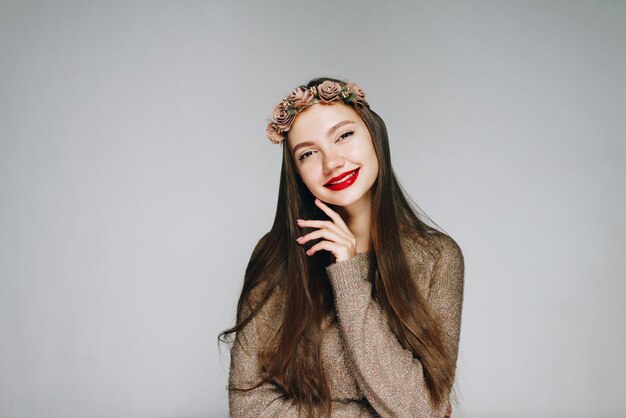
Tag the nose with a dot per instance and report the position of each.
(332, 161)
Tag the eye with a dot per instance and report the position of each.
(305, 155)
(345, 135)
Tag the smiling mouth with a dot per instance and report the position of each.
(344, 180)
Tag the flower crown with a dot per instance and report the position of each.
(302, 97)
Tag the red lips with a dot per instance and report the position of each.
(345, 183)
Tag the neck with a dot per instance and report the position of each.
(357, 217)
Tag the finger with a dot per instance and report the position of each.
(324, 245)
(326, 234)
(322, 224)
(339, 252)
(332, 215)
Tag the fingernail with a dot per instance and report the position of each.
(299, 220)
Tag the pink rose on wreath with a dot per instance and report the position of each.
(356, 89)
(328, 91)
(300, 97)
(282, 118)
(274, 134)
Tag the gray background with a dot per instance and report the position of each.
(135, 179)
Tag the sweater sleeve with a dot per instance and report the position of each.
(389, 376)
(263, 401)
(266, 400)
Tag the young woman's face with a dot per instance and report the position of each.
(333, 153)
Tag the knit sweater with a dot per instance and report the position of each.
(369, 373)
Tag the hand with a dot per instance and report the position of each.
(449, 411)
(338, 238)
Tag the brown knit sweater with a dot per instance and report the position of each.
(369, 372)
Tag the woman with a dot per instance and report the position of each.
(351, 305)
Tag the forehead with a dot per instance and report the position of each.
(314, 122)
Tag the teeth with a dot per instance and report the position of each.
(344, 179)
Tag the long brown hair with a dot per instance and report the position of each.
(292, 359)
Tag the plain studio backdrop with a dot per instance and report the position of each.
(135, 179)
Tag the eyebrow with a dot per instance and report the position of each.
(329, 133)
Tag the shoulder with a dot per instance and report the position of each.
(256, 284)
(434, 258)
(436, 245)
(449, 269)
(265, 292)
(449, 250)
(260, 243)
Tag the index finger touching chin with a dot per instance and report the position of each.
(331, 213)
(327, 210)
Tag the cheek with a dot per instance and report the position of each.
(374, 159)
(371, 154)
(368, 156)
(364, 155)
(309, 176)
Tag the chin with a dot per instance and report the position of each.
(342, 198)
